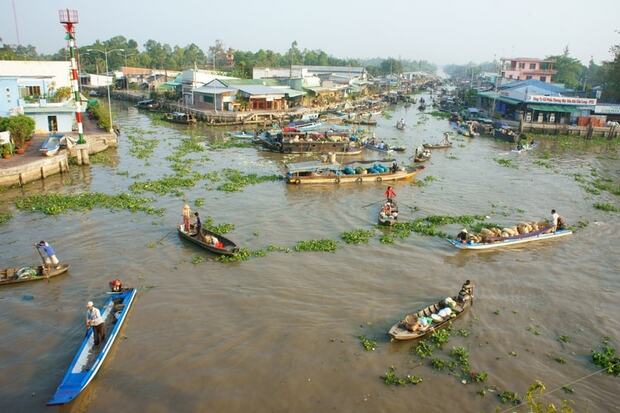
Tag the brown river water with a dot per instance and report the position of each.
(279, 333)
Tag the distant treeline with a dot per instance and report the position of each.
(162, 55)
(571, 72)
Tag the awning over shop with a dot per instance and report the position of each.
(554, 108)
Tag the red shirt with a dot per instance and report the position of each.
(389, 193)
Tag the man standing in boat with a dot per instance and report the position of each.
(186, 216)
(557, 221)
(94, 320)
(390, 194)
(48, 255)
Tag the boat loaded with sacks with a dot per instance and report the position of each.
(90, 357)
(34, 273)
(435, 316)
(490, 238)
(223, 246)
(353, 172)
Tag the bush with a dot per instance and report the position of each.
(100, 112)
(62, 94)
(21, 128)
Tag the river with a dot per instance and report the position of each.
(280, 333)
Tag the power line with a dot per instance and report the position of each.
(16, 25)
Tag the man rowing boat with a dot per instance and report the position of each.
(94, 320)
(557, 221)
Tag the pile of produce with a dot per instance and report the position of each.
(491, 234)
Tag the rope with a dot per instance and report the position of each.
(554, 390)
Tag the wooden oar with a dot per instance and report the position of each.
(376, 202)
(45, 269)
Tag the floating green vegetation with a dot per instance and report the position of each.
(461, 355)
(5, 217)
(369, 345)
(54, 204)
(533, 330)
(168, 184)
(607, 358)
(543, 163)
(568, 389)
(441, 337)
(142, 148)
(564, 339)
(101, 158)
(427, 180)
(325, 245)
(439, 114)
(277, 248)
(429, 225)
(607, 185)
(197, 259)
(480, 377)
(219, 228)
(439, 364)
(391, 379)
(607, 207)
(237, 180)
(198, 202)
(536, 392)
(386, 114)
(359, 236)
(230, 143)
(386, 239)
(508, 163)
(122, 173)
(243, 254)
(462, 332)
(423, 349)
(509, 397)
(559, 359)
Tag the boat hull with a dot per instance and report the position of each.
(6, 280)
(232, 247)
(345, 179)
(510, 242)
(77, 378)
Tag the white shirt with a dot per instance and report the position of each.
(554, 219)
(94, 316)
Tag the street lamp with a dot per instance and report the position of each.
(106, 52)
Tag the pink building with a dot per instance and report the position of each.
(525, 68)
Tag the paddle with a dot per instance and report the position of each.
(373, 203)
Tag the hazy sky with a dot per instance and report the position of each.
(441, 31)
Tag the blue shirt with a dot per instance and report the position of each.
(49, 250)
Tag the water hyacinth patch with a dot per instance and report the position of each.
(142, 148)
(168, 184)
(359, 236)
(508, 163)
(324, 245)
(391, 379)
(369, 345)
(5, 217)
(237, 180)
(607, 207)
(54, 204)
(607, 358)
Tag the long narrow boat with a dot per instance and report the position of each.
(89, 357)
(463, 301)
(508, 241)
(391, 219)
(51, 145)
(437, 145)
(34, 273)
(321, 173)
(229, 246)
(376, 148)
(369, 122)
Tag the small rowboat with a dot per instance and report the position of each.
(229, 247)
(437, 145)
(51, 145)
(398, 148)
(368, 122)
(89, 357)
(391, 219)
(385, 149)
(34, 273)
(241, 135)
(464, 300)
(421, 159)
(508, 241)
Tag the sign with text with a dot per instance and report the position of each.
(608, 109)
(562, 100)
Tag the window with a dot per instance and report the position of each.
(521, 65)
(207, 98)
(533, 66)
(543, 78)
(528, 77)
(26, 91)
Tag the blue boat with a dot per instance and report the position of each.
(51, 145)
(89, 358)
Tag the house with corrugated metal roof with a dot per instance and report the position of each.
(536, 101)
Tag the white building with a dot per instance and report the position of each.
(29, 87)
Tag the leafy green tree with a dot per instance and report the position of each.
(21, 128)
(391, 65)
(570, 71)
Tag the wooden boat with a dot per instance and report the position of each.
(229, 247)
(356, 121)
(389, 220)
(320, 173)
(34, 273)
(51, 145)
(421, 158)
(241, 135)
(89, 357)
(539, 235)
(376, 148)
(309, 143)
(148, 104)
(398, 148)
(437, 145)
(506, 134)
(399, 331)
(179, 117)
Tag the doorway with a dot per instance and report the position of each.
(52, 124)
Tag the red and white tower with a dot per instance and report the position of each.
(69, 18)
